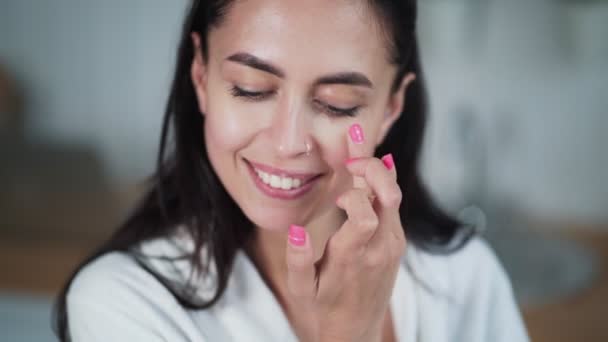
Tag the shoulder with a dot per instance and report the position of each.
(109, 276)
(474, 265)
(135, 276)
(475, 290)
(118, 284)
(114, 298)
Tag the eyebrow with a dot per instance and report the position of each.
(256, 63)
(348, 77)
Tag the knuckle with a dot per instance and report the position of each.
(376, 166)
(368, 224)
(344, 259)
(341, 253)
(393, 198)
(376, 259)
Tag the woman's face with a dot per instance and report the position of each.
(281, 75)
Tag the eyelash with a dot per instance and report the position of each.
(249, 95)
(259, 96)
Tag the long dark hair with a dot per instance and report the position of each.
(186, 192)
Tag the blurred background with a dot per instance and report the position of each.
(516, 142)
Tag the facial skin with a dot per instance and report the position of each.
(304, 42)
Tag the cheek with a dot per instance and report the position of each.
(224, 132)
(226, 129)
(334, 138)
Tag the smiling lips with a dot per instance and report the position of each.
(279, 183)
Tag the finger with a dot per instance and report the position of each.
(361, 223)
(301, 272)
(357, 165)
(382, 182)
(356, 150)
(389, 163)
(379, 178)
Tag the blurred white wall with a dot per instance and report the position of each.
(95, 73)
(535, 76)
(533, 73)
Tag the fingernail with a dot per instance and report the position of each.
(356, 134)
(351, 160)
(297, 235)
(388, 161)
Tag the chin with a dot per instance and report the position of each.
(273, 219)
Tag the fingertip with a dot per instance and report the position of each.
(388, 161)
(297, 236)
(356, 133)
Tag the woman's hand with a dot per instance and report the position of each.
(347, 293)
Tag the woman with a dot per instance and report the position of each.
(269, 218)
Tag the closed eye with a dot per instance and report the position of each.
(262, 95)
(250, 95)
(336, 111)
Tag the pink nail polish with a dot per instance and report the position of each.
(388, 161)
(297, 235)
(351, 160)
(356, 134)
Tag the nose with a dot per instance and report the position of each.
(291, 133)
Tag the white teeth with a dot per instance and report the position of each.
(285, 183)
(275, 181)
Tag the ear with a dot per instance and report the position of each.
(394, 107)
(198, 73)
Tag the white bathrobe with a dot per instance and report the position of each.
(465, 296)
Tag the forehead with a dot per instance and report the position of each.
(318, 35)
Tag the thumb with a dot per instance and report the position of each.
(301, 271)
